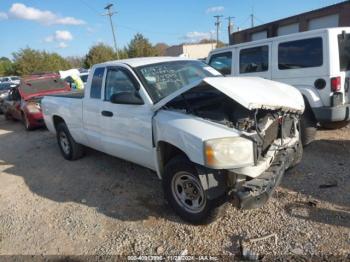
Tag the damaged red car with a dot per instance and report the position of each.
(24, 101)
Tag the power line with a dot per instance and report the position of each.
(90, 7)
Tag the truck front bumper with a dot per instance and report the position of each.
(256, 192)
(332, 114)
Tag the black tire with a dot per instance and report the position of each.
(211, 209)
(70, 149)
(335, 125)
(308, 126)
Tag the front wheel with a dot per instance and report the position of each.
(70, 149)
(184, 192)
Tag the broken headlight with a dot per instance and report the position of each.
(226, 153)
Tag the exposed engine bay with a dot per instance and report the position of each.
(265, 126)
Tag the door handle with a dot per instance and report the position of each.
(107, 113)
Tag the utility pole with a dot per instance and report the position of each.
(110, 14)
(217, 24)
(230, 27)
(252, 18)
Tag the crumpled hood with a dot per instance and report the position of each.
(250, 92)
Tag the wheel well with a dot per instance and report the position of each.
(57, 120)
(308, 109)
(166, 152)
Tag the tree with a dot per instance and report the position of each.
(140, 46)
(160, 49)
(6, 66)
(208, 41)
(123, 53)
(98, 54)
(75, 61)
(28, 61)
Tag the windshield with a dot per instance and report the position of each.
(344, 51)
(163, 79)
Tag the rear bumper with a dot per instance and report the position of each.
(332, 114)
(36, 120)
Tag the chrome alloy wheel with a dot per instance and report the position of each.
(64, 142)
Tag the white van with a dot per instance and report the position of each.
(316, 62)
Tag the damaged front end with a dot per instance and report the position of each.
(274, 133)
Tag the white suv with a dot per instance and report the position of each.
(316, 62)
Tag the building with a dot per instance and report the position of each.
(330, 16)
(195, 51)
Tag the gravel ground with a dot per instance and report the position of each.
(101, 205)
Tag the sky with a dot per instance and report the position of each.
(71, 27)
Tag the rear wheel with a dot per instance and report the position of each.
(308, 126)
(184, 192)
(70, 149)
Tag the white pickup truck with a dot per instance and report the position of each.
(211, 139)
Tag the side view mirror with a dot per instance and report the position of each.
(127, 98)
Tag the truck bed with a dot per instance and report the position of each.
(75, 94)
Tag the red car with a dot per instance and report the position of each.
(24, 101)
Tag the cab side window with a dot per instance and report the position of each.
(253, 60)
(118, 81)
(96, 83)
(222, 62)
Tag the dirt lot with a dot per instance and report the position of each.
(102, 205)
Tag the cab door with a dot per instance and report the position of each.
(92, 107)
(126, 125)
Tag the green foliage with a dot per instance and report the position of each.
(98, 54)
(6, 67)
(75, 61)
(207, 41)
(28, 61)
(140, 46)
(123, 53)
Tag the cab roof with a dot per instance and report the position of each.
(141, 61)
